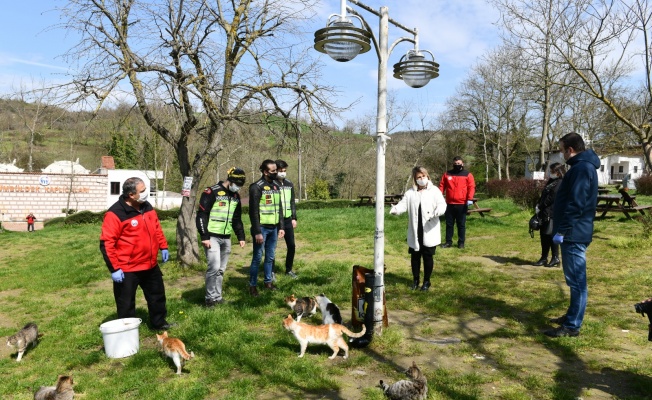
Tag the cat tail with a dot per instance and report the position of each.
(383, 386)
(185, 354)
(352, 334)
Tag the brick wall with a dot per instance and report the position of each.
(46, 195)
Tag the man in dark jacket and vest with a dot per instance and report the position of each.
(573, 214)
(458, 186)
(130, 241)
(220, 214)
(266, 215)
(289, 214)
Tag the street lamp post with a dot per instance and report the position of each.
(342, 41)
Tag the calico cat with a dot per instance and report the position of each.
(329, 311)
(26, 336)
(330, 334)
(414, 389)
(304, 306)
(175, 349)
(63, 390)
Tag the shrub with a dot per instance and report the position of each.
(644, 185)
(524, 192)
(318, 190)
(170, 214)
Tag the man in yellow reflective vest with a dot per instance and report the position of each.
(219, 215)
(289, 213)
(266, 215)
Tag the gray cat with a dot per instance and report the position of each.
(26, 336)
(63, 390)
(414, 389)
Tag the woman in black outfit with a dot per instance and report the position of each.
(544, 211)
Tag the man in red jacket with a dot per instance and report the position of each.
(458, 186)
(130, 240)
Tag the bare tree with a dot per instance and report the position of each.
(33, 105)
(209, 64)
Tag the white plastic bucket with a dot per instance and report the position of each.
(121, 337)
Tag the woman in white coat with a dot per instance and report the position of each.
(424, 204)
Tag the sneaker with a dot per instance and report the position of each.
(273, 277)
(213, 303)
(291, 274)
(446, 245)
(562, 331)
(558, 320)
(460, 246)
(166, 326)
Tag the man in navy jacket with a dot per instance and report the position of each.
(573, 213)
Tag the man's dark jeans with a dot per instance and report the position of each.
(456, 214)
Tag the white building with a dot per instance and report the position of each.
(613, 168)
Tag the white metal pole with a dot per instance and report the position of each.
(381, 141)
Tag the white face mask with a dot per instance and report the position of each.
(234, 188)
(281, 175)
(422, 181)
(143, 196)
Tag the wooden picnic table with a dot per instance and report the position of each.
(390, 200)
(619, 203)
(602, 191)
(366, 201)
(476, 208)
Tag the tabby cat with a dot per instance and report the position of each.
(63, 390)
(330, 334)
(414, 389)
(329, 311)
(304, 306)
(175, 349)
(26, 336)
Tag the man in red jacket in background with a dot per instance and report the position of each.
(130, 240)
(458, 186)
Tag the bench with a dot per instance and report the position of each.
(478, 210)
(605, 209)
(366, 201)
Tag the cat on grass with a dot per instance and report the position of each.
(23, 338)
(329, 311)
(414, 389)
(62, 391)
(175, 349)
(305, 306)
(330, 334)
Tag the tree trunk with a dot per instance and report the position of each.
(187, 242)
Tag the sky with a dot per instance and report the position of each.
(456, 32)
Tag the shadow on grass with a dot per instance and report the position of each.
(509, 260)
(572, 374)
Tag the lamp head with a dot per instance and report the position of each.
(415, 70)
(342, 40)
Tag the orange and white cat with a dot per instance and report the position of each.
(330, 334)
(175, 349)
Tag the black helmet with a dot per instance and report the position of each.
(535, 224)
(237, 176)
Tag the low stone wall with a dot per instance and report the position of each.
(21, 226)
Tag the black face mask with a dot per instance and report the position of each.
(457, 168)
(272, 176)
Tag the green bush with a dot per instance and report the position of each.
(170, 214)
(644, 185)
(318, 190)
(524, 192)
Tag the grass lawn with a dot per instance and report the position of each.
(477, 334)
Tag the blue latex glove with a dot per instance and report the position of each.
(166, 255)
(557, 239)
(469, 202)
(117, 276)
